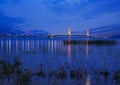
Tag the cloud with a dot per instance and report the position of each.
(65, 7)
(82, 7)
(5, 1)
(71, 2)
(9, 23)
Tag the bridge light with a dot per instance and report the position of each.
(69, 31)
(88, 32)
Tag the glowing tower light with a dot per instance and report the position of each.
(69, 31)
(87, 32)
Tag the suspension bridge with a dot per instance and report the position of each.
(69, 34)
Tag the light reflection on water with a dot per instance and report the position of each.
(49, 55)
(88, 80)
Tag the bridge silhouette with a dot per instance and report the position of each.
(69, 34)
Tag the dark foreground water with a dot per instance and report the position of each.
(59, 61)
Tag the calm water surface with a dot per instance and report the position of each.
(55, 62)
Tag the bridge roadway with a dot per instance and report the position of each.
(74, 35)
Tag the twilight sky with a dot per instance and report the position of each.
(56, 16)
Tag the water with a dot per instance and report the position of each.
(78, 61)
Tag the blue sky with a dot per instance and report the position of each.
(56, 16)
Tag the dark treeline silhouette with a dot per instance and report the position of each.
(90, 42)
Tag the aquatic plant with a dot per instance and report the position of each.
(26, 75)
(116, 76)
(79, 73)
(41, 72)
(72, 74)
(105, 73)
(61, 73)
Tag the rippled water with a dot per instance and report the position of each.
(59, 61)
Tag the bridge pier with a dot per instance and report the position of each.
(50, 36)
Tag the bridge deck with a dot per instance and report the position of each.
(57, 35)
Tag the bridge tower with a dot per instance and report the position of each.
(87, 32)
(69, 31)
